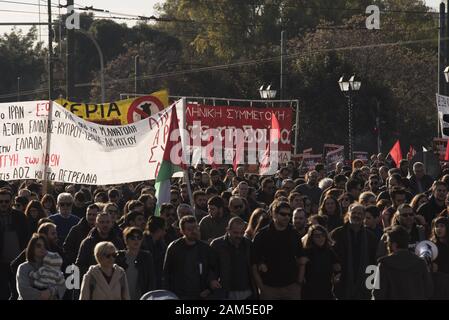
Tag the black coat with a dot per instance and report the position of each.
(426, 183)
(403, 276)
(352, 282)
(145, 268)
(442, 260)
(86, 256)
(318, 274)
(222, 250)
(175, 266)
(73, 241)
(430, 210)
(20, 225)
(158, 250)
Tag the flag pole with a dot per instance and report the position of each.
(184, 147)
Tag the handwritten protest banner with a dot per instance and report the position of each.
(80, 152)
(311, 160)
(200, 118)
(337, 154)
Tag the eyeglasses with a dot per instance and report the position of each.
(111, 255)
(135, 237)
(65, 204)
(284, 213)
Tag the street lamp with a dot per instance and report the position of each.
(446, 74)
(349, 88)
(267, 93)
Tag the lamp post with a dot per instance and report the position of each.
(349, 88)
(268, 93)
(18, 88)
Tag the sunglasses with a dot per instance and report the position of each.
(284, 214)
(65, 204)
(136, 237)
(111, 255)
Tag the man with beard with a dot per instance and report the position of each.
(234, 267)
(356, 247)
(276, 250)
(168, 213)
(214, 224)
(300, 221)
(102, 232)
(310, 188)
(188, 264)
(200, 207)
(436, 203)
(266, 193)
(216, 181)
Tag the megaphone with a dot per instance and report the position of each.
(427, 250)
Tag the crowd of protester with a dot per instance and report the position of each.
(232, 235)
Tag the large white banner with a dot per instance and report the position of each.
(79, 152)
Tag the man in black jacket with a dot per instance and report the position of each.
(402, 275)
(275, 254)
(14, 237)
(420, 182)
(436, 203)
(188, 264)
(234, 262)
(79, 232)
(356, 247)
(102, 232)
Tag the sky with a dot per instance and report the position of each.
(133, 7)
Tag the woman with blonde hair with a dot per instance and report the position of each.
(105, 280)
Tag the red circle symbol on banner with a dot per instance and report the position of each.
(144, 107)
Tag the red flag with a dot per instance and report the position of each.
(446, 157)
(211, 153)
(239, 151)
(411, 153)
(275, 136)
(396, 153)
(275, 126)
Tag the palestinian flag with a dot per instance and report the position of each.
(171, 163)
